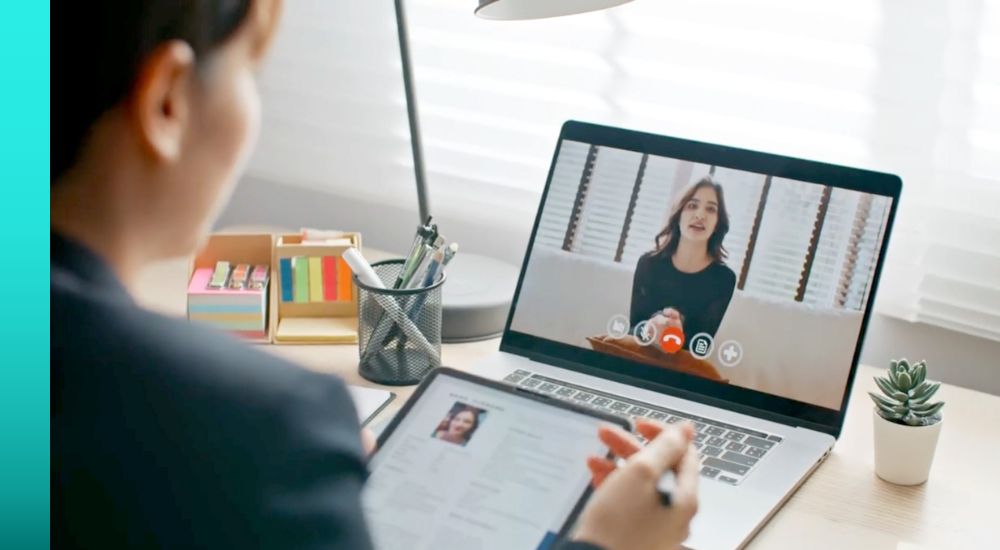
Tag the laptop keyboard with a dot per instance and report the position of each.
(728, 453)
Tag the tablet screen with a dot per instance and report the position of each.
(476, 467)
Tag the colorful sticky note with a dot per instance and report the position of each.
(344, 282)
(287, 284)
(300, 264)
(315, 279)
(330, 278)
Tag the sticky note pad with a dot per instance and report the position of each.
(315, 279)
(330, 278)
(343, 280)
(300, 264)
(285, 265)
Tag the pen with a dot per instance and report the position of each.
(426, 234)
(449, 253)
(423, 257)
(441, 259)
(432, 269)
(367, 275)
(666, 486)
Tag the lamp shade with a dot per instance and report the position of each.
(539, 9)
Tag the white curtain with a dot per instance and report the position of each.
(904, 86)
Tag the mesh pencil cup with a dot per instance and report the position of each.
(399, 331)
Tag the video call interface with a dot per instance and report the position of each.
(469, 462)
(743, 278)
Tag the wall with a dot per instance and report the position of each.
(954, 357)
(387, 227)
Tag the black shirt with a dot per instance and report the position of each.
(169, 435)
(701, 298)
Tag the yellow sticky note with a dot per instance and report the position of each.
(315, 279)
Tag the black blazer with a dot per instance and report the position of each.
(167, 435)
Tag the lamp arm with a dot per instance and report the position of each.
(423, 204)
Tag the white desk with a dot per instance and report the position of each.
(843, 505)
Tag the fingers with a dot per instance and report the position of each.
(367, 441)
(687, 429)
(662, 453)
(619, 441)
(685, 496)
(688, 467)
(651, 428)
(599, 468)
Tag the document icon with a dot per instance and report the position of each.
(701, 345)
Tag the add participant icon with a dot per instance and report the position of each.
(730, 353)
(701, 345)
(672, 339)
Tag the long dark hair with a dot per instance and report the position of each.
(98, 46)
(455, 411)
(666, 240)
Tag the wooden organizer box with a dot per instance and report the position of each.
(319, 322)
(240, 248)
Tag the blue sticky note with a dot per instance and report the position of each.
(286, 280)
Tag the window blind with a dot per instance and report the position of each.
(904, 86)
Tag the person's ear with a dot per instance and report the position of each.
(160, 106)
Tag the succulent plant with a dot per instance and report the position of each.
(907, 395)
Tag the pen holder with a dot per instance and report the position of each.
(399, 331)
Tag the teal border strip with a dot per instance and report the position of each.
(24, 389)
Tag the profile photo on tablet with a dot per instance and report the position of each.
(459, 424)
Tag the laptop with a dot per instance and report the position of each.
(685, 281)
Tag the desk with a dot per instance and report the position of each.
(843, 505)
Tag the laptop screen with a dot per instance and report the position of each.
(743, 278)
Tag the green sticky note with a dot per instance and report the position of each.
(300, 264)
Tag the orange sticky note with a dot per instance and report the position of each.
(344, 282)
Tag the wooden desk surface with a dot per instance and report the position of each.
(843, 505)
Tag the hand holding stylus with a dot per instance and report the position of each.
(626, 511)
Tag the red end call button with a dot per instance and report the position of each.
(672, 339)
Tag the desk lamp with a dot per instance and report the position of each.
(479, 290)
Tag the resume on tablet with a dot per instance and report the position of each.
(475, 464)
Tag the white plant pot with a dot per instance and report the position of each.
(903, 454)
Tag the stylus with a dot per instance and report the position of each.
(367, 275)
(666, 486)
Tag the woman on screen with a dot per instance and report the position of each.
(459, 426)
(684, 282)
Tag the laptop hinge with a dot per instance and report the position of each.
(672, 391)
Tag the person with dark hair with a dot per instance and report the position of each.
(459, 426)
(684, 281)
(168, 435)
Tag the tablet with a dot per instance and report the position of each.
(477, 464)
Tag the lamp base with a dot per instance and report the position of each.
(476, 298)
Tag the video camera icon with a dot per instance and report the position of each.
(618, 326)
